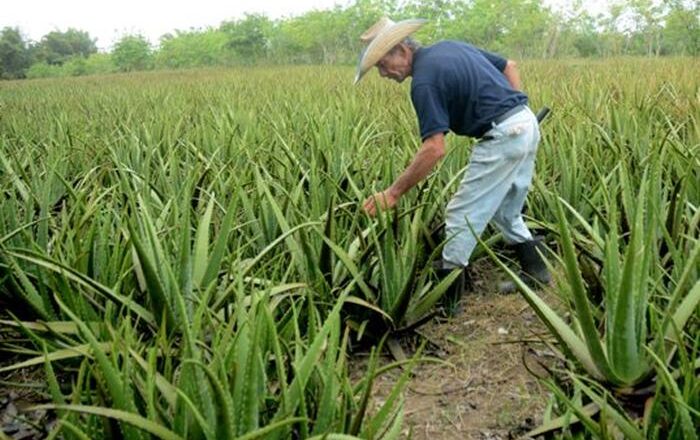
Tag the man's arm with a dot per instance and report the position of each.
(512, 74)
(429, 154)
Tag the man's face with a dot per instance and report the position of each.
(396, 65)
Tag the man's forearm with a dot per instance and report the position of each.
(423, 162)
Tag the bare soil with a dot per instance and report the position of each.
(482, 390)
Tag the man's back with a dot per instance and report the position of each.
(459, 87)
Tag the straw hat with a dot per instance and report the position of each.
(381, 38)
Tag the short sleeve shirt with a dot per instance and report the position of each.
(460, 88)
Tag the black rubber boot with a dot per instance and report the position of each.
(453, 295)
(534, 271)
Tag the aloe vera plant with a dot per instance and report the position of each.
(189, 250)
(634, 336)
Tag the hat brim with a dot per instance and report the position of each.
(384, 42)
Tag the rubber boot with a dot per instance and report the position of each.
(451, 298)
(534, 271)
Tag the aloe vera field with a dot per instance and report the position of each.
(184, 254)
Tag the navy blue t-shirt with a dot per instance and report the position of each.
(459, 87)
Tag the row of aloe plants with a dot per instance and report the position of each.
(625, 224)
(188, 284)
(181, 232)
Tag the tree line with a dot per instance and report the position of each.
(517, 28)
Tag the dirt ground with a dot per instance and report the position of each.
(482, 390)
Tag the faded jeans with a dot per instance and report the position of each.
(494, 187)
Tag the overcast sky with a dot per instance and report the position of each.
(107, 20)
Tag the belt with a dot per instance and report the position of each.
(502, 117)
(517, 109)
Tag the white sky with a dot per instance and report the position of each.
(108, 20)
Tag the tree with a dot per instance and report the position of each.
(648, 16)
(527, 28)
(14, 54)
(194, 48)
(57, 47)
(248, 37)
(681, 34)
(132, 52)
(99, 63)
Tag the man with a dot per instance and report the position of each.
(457, 87)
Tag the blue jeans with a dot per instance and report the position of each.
(494, 187)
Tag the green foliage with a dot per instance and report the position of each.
(193, 49)
(99, 63)
(188, 249)
(173, 269)
(248, 37)
(681, 31)
(15, 56)
(132, 52)
(520, 29)
(43, 70)
(57, 47)
(95, 64)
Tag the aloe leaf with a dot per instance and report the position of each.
(395, 424)
(298, 257)
(84, 281)
(393, 403)
(28, 291)
(425, 303)
(582, 304)
(54, 387)
(331, 371)
(249, 380)
(621, 420)
(218, 252)
(266, 431)
(597, 239)
(62, 423)
(685, 309)
(361, 302)
(118, 391)
(156, 288)
(688, 428)
(19, 185)
(625, 352)
(561, 422)
(680, 295)
(284, 236)
(168, 391)
(325, 257)
(117, 414)
(223, 400)
(335, 437)
(83, 350)
(306, 364)
(361, 411)
(206, 427)
(579, 415)
(201, 245)
(577, 349)
(352, 268)
(62, 327)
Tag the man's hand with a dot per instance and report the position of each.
(430, 153)
(383, 200)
